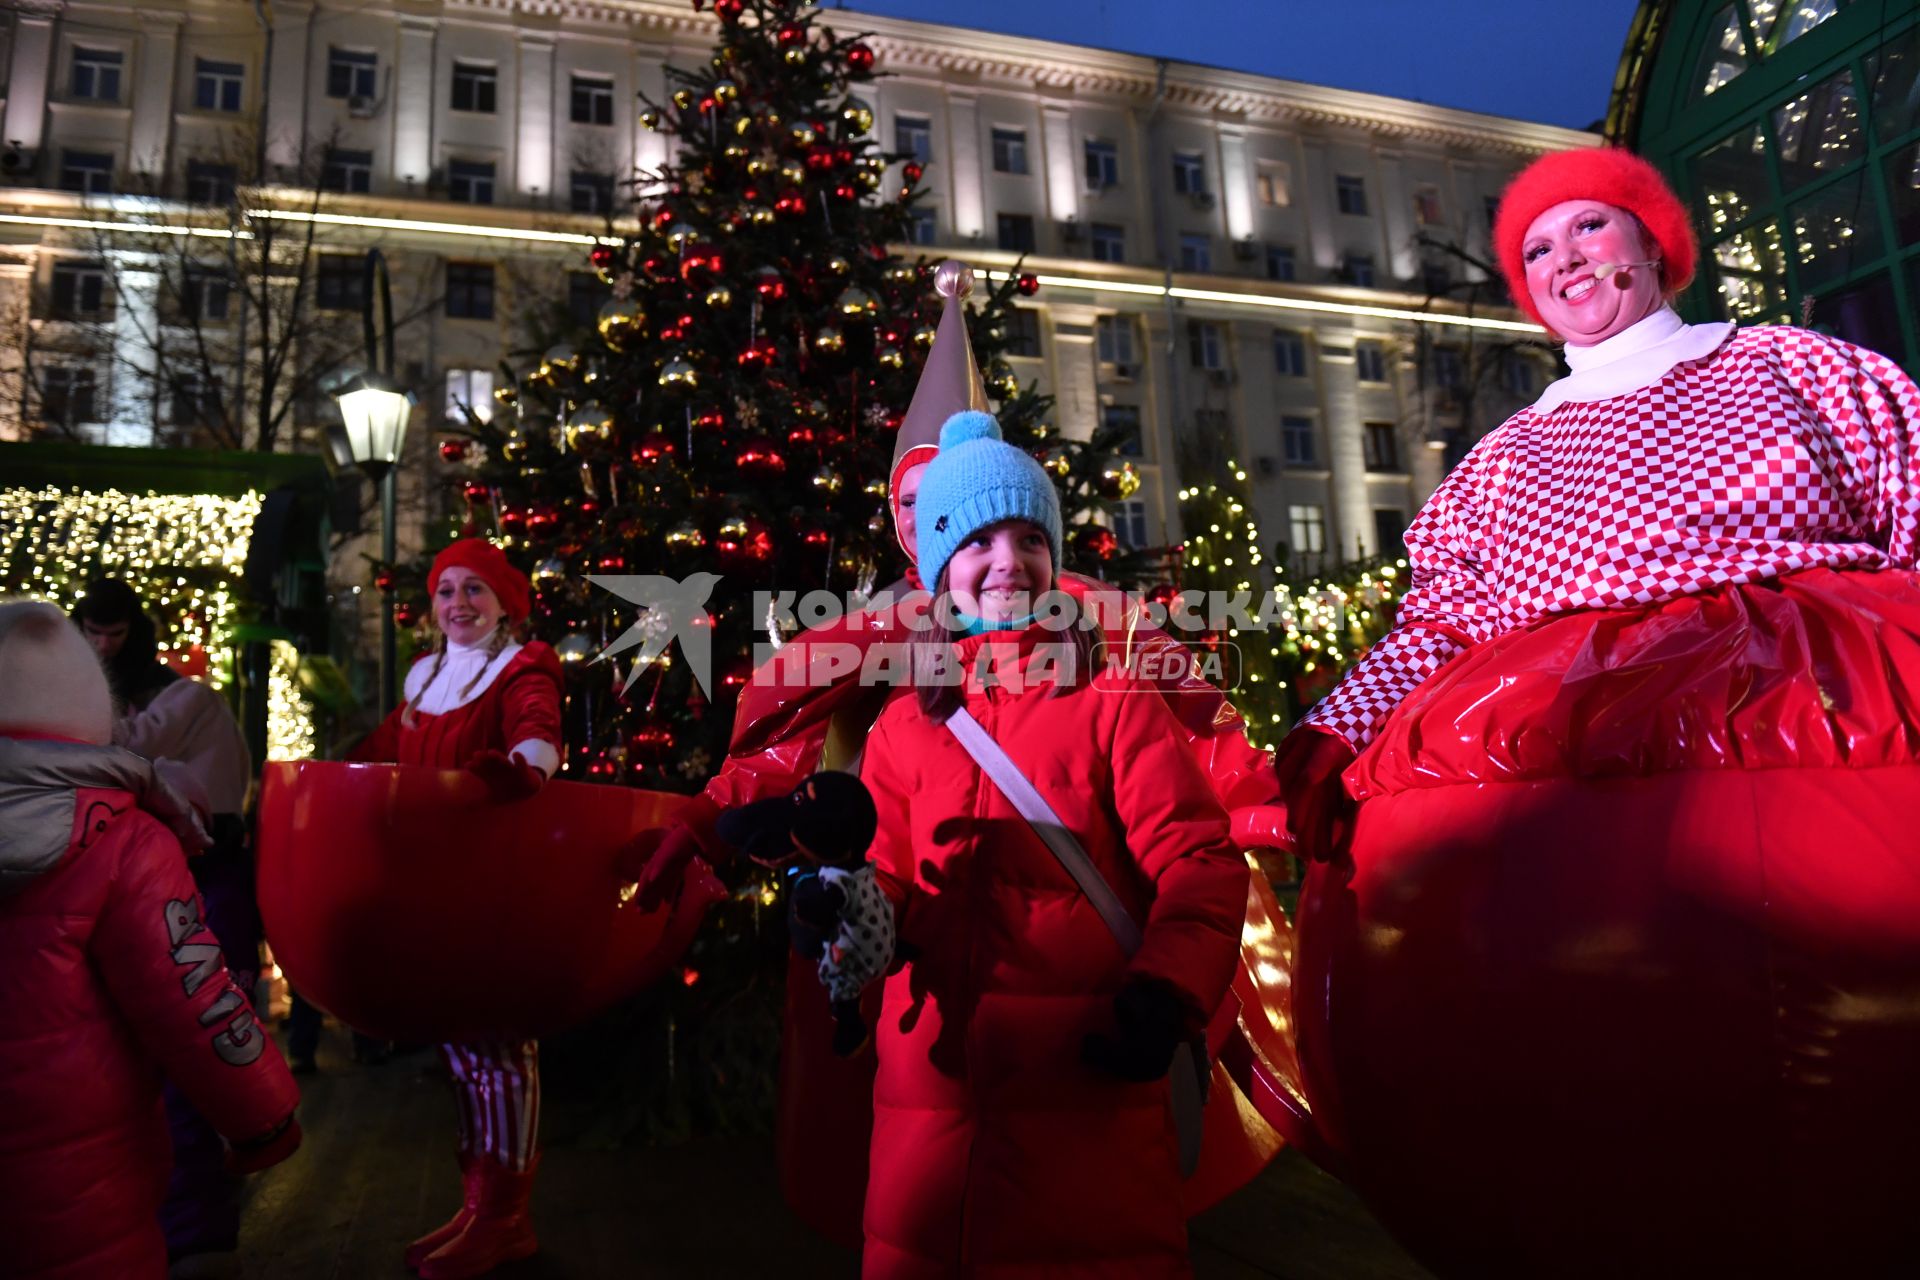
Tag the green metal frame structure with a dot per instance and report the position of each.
(1792, 129)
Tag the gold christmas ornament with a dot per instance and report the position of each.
(890, 356)
(683, 99)
(838, 265)
(742, 126)
(827, 480)
(878, 524)
(760, 215)
(830, 340)
(734, 151)
(574, 648)
(734, 529)
(759, 166)
(771, 118)
(514, 447)
(561, 358)
(679, 233)
(725, 91)
(902, 273)
(856, 303)
(506, 395)
(650, 119)
(686, 536)
(923, 337)
(875, 488)
(679, 375)
(589, 428)
(719, 296)
(858, 116)
(1119, 480)
(620, 322)
(549, 572)
(1058, 462)
(797, 56)
(866, 179)
(793, 173)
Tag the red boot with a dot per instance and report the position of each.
(501, 1230)
(418, 1251)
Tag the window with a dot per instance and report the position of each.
(1351, 192)
(1359, 270)
(1196, 251)
(1113, 339)
(586, 294)
(350, 73)
(1274, 182)
(1281, 264)
(195, 400)
(1009, 150)
(209, 183)
(1296, 442)
(1307, 522)
(347, 171)
(1206, 346)
(591, 192)
(1122, 423)
(216, 85)
(913, 137)
(469, 389)
(79, 290)
(470, 290)
(1449, 369)
(592, 100)
(96, 74)
(1370, 360)
(1023, 333)
(474, 85)
(1426, 205)
(1130, 523)
(920, 225)
(1189, 173)
(1103, 165)
(205, 294)
(1289, 353)
(1109, 242)
(88, 172)
(1389, 531)
(340, 282)
(1380, 442)
(66, 394)
(1517, 373)
(1016, 232)
(470, 181)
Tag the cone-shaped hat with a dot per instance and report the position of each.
(949, 382)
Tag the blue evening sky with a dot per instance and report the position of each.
(1544, 60)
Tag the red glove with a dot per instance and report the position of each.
(507, 777)
(1319, 810)
(657, 859)
(1261, 826)
(264, 1153)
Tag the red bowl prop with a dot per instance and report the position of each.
(1658, 1025)
(410, 906)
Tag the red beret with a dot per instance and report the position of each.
(488, 563)
(1606, 174)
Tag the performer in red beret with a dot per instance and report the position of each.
(1626, 890)
(485, 702)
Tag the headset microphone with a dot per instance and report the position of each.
(1606, 269)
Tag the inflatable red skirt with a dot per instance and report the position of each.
(1622, 976)
(408, 905)
(825, 1115)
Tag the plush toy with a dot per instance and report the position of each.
(836, 912)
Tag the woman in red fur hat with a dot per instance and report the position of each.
(487, 703)
(1631, 894)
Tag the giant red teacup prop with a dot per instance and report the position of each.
(410, 906)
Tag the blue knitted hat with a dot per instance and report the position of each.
(977, 480)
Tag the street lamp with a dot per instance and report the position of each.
(375, 412)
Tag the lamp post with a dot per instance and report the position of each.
(375, 411)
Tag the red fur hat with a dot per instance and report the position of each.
(489, 563)
(1607, 174)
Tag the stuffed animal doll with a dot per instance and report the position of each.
(836, 913)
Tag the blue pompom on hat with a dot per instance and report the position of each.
(978, 480)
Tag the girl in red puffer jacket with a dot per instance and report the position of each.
(485, 703)
(108, 980)
(1021, 1111)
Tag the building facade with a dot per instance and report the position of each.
(1296, 273)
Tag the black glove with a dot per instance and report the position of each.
(1152, 1023)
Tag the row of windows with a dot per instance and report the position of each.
(1307, 533)
(81, 289)
(94, 75)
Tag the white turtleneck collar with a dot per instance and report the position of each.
(464, 665)
(1636, 357)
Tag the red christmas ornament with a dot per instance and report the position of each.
(1163, 595)
(453, 450)
(791, 202)
(709, 104)
(729, 10)
(663, 218)
(792, 34)
(845, 193)
(768, 284)
(860, 57)
(611, 562)
(913, 172)
(801, 435)
(652, 447)
(820, 158)
(758, 457)
(843, 155)
(603, 256)
(512, 520)
(711, 420)
(1028, 284)
(541, 518)
(758, 355)
(1096, 540)
(815, 536)
(603, 770)
(406, 613)
(477, 493)
(651, 743)
(384, 580)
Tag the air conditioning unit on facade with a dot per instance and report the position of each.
(1071, 231)
(1123, 373)
(1246, 250)
(1202, 200)
(16, 159)
(1221, 377)
(1265, 464)
(361, 107)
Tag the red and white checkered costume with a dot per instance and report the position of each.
(1782, 450)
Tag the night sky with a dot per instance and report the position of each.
(1546, 60)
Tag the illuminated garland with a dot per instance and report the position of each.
(183, 554)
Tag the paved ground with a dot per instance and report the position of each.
(377, 1169)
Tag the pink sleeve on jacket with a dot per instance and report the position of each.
(1449, 606)
(1178, 836)
(1871, 408)
(167, 977)
(530, 698)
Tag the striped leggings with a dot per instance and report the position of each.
(496, 1089)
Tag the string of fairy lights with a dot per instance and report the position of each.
(181, 553)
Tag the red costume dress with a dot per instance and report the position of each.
(456, 708)
(996, 1149)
